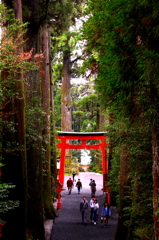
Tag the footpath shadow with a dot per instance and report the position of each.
(69, 223)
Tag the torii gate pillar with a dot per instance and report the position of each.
(82, 136)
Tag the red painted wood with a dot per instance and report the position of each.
(63, 145)
(72, 146)
(62, 161)
(1, 225)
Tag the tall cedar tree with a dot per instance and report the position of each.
(70, 11)
(14, 142)
(124, 40)
(38, 97)
(38, 108)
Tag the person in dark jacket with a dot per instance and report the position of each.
(79, 186)
(90, 182)
(84, 209)
(106, 213)
(93, 187)
(73, 176)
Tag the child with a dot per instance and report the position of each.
(106, 213)
(95, 211)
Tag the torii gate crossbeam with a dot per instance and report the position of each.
(83, 137)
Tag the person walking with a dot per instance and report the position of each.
(91, 203)
(79, 186)
(93, 187)
(84, 209)
(106, 213)
(90, 183)
(73, 175)
(95, 211)
(69, 185)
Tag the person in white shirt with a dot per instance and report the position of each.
(91, 203)
(95, 211)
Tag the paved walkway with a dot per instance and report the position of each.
(69, 223)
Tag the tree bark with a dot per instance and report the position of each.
(66, 95)
(15, 170)
(66, 116)
(45, 86)
(53, 134)
(34, 122)
(21, 130)
(155, 174)
(122, 231)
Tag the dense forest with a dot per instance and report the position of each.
(113, 45)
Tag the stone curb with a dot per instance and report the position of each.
(48, 225)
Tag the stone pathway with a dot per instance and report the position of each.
(69, 223)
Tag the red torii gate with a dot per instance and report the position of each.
(83, 136)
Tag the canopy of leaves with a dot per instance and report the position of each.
(125, 40)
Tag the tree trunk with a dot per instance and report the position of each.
(155, 173)
(66, 95)
(66, 116)
(34, 123)
(21, 130)
(53, 142)
(122, 231)
(45, 86)
(15, 170)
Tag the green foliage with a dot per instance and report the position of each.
(93, 166)
(34, 117)
(81, 169)
(57, 106)
(13, 61)
(137, 209)
(85, 109)
(145, 233)
(5, 203)
(123, 52)
(66, 36)
(57, 72)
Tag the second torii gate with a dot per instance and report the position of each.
(82, 136)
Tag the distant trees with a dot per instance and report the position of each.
(64, 41)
